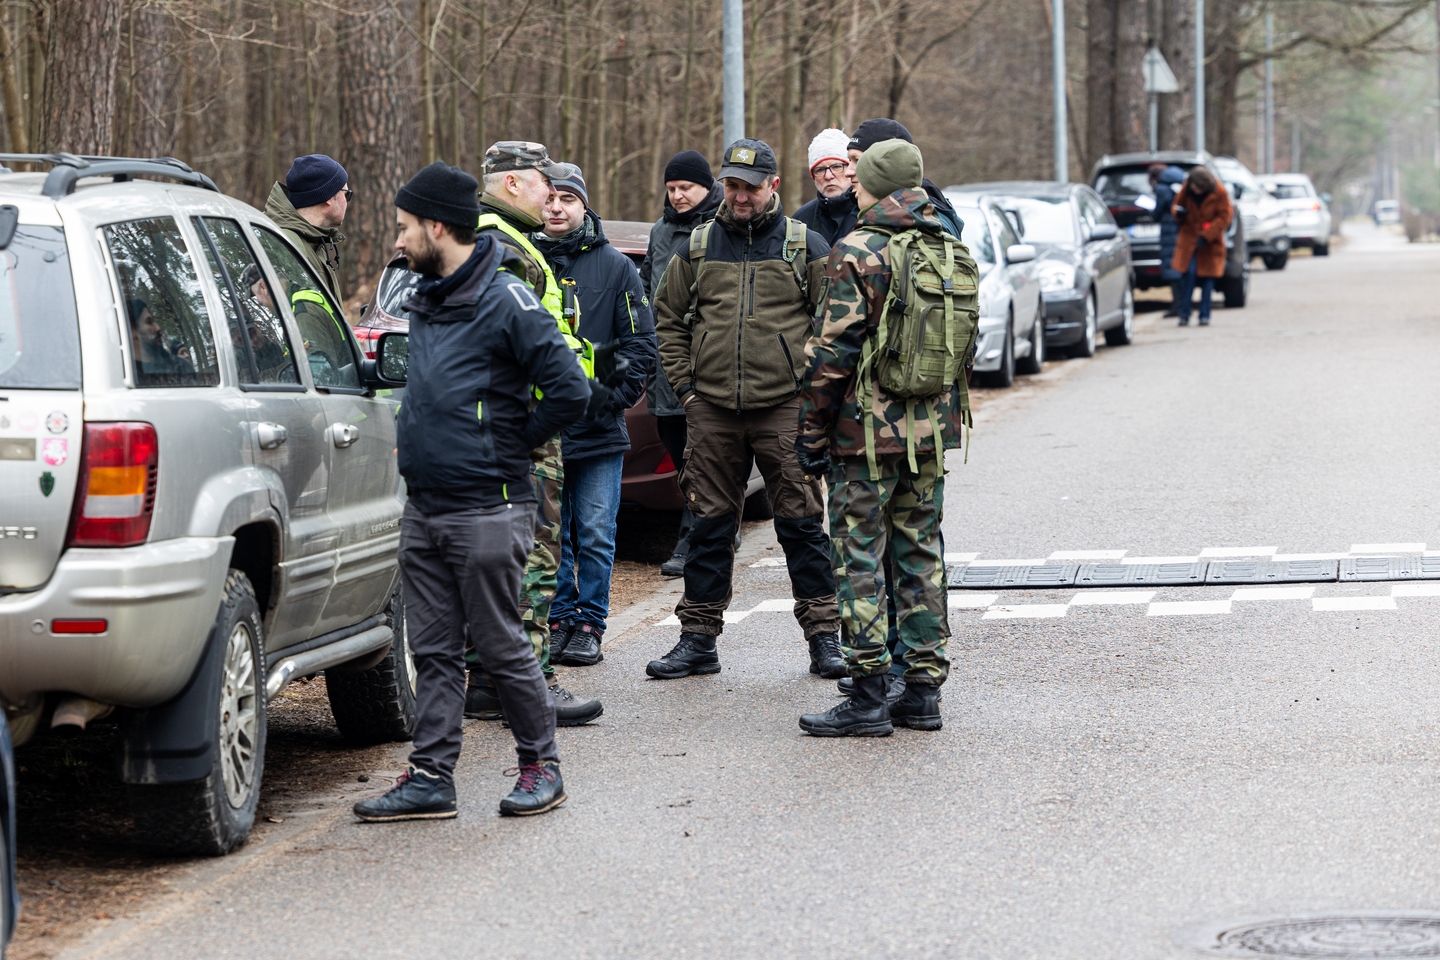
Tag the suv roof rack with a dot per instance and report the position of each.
(67, 168)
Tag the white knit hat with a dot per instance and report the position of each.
(829, 144)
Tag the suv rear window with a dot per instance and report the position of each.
(1290, 191)
(39, 331)
(1119, 186)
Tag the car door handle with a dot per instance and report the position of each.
(344, 434)
(270, 435)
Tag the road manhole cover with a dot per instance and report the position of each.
(1370, 934)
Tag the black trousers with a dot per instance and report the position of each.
(462, 569)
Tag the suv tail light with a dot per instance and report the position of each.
(116, 494)
(367, 337)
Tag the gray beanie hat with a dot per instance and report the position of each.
(890, 165)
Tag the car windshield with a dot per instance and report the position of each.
(1046, 219)
(396, 285)
(976, 235)
(39, 331)
(1233, 172)
(1289, 191)
(1121, 185)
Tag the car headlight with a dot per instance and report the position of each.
(1055, 277)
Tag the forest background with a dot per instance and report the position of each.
(237, 88)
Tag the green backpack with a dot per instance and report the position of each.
(925, 338)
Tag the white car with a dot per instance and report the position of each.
(1387, 211)
(1012, 316)
(1266, 236)
(1307, 212)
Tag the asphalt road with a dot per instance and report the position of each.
(1105, 776)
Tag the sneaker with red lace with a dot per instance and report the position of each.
(539, 790)
(417, 795)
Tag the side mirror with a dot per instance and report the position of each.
(1019, 253)
(1239, 190)
(1325, 199)
(1103, 231)
(391, 365)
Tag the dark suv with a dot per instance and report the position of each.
(1123, 182)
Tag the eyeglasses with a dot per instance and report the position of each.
(348, 194)
(830, 170)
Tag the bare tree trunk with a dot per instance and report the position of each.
(37, 43)
(80, 89)
(376, 84)
(481, 53)
(1222, 50)
(792, 149)
(565, 94)
(1100, 79)
(11, 63)
(1130, 123)
(899, 14)
(834, 89)
(152, 123)
(427, 83)
(1177, 43)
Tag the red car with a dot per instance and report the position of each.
(648, 479)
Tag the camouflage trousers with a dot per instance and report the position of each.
(542, 566)
(898, 514)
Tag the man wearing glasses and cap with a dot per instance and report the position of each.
(733, 314)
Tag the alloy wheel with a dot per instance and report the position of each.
(239, 716)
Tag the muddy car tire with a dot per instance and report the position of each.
(377, 705)
(212, 816)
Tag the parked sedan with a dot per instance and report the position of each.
(1082, 260)
(1012, 323)
(1266, 235)
(1307, 213)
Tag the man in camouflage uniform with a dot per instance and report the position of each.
(515, 187)
(901, 511)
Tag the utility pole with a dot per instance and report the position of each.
(1269, 94)
(1200, 75)
(1057, 44)
(734, 29)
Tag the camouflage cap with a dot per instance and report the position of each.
(750, 160)
(516, 155)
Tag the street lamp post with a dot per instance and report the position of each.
(1062, 142)
(1200, 76)
(1269, 94)
(734, 30)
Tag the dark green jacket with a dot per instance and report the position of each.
(745, 349)
(318, 244)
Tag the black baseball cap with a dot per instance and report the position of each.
(750, 160)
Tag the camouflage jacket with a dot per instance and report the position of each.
(858, 280)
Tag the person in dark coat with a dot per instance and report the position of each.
(1166, 182)
(480, 346)
(875, 131)
(1203, 211)
(833, 212)
(613, 310)
(692, 196)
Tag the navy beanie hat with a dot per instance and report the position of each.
(690, 165)
(314, 179)
(874, 131)
(442, 193)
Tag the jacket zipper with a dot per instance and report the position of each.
(789, 359)
(740, 330)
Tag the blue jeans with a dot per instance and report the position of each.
(1187, 290)
(588, 508)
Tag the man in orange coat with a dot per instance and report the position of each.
(1203, 211)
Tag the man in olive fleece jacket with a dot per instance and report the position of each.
(736, 357)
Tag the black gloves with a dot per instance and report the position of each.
(610, 372)
(815, 463)
(601, 399)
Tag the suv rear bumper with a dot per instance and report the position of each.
(159, 601)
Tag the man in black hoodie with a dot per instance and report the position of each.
(480, 346)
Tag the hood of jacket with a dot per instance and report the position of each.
(902, 210)
(754, 225)
(279, 208)
(1172, 175)
(699, 213)
(445, 300)
(588, 236)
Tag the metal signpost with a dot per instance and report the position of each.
(1269, 94)
(1159, 78)
(734, 31)
(1057, 45)
(1199, 76)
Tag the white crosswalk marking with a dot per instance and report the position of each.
(1431, 589)
(960, 557)
(1027, 611)
(1353, 603)
(1188, 608)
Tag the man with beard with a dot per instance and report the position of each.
(734, 313)
(832, 213)
(480, 345)
(155, 365)
(880, 129)
(309, 207)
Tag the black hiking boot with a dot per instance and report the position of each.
(894, 687)
(560, 631)
(583, 648)
(695, 653)
(416, 796)
(864, 714)
(539, 790)
(481, 700)
(825, 656)
(919, 708)
(572, 712)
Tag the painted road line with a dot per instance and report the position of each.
(1384, 548)
(1287, 557)
(960, 557)
(1160, 560)
(731, 616)
(1086, 555)
(1095, 598)
(1353, 603)
(1032, 562)
(1273, 593)
(1027, 611)
(775, 606)
(1188, 608)
(769, 562)
(972, 601)
(1415, 590)
(1230, 552)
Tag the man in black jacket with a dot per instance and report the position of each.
(613, 310)
(880, 129)
(833, 212)
(480, 344)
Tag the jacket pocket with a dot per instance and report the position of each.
(695, 357)
(789, 358)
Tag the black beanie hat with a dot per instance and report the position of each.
(690, 165)
(874, 131)
(314, 179)
(442, 193)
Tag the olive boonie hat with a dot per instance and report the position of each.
(750, 160)
(509, 155)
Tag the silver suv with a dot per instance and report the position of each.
(198, 490)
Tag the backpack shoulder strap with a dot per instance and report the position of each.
(797, 242)
(699, 240)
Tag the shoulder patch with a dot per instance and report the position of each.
(524, 296)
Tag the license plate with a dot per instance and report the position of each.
(1145, 231)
